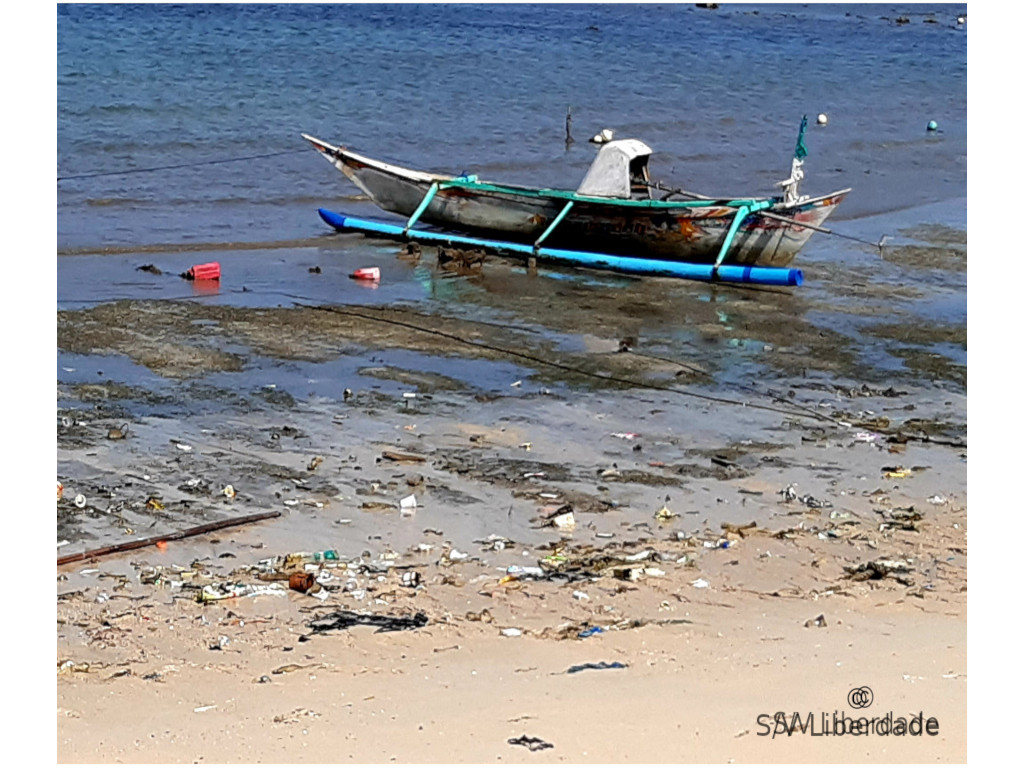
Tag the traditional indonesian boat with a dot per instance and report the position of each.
(614, 217)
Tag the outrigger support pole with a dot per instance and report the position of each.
(422, 207)
(741, 214)
(555, 223)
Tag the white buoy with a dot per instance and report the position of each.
(603, 137)
(822, 119)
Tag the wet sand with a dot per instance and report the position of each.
(712, 526)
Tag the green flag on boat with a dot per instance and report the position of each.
(801, 148)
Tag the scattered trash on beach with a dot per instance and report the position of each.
(284, 670)
(118, 433)
(301, 582)
(812, 503)
(530, 742)
(208, 271)
(896, 473)
(664, 514)
(345, 619)
(598, 665)
(215, 592)
(371, 274)
(875, 570)
(818, 621)
(401, 457)
(901, 518)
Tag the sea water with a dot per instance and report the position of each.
(178, 141)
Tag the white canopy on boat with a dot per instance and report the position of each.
(617, 165)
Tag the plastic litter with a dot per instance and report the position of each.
(599, 665)
(346, 619)
(879, 569)
(367, 273)
(530, 742)
(208, 271)
(214, 592)
(511, 632)
(301, 582)
(664, 514)
(564, 521)
(896, 473)
(523, 571)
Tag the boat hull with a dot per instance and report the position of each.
(684, 232)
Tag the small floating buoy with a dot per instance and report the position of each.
(822, 119)
(603, 137)
(367, 273)
(932, 125)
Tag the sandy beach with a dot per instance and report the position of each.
(601, 574)
(489, 511)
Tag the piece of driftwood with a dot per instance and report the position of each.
(188, 533)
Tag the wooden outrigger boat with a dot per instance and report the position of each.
(613, 213)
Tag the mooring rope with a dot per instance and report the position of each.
(180, 165)
(583, 372)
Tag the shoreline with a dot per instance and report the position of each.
(705, 558)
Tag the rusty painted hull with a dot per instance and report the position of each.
(671, 232)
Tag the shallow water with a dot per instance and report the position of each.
(178, 143)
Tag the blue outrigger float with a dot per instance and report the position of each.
(611, 221)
